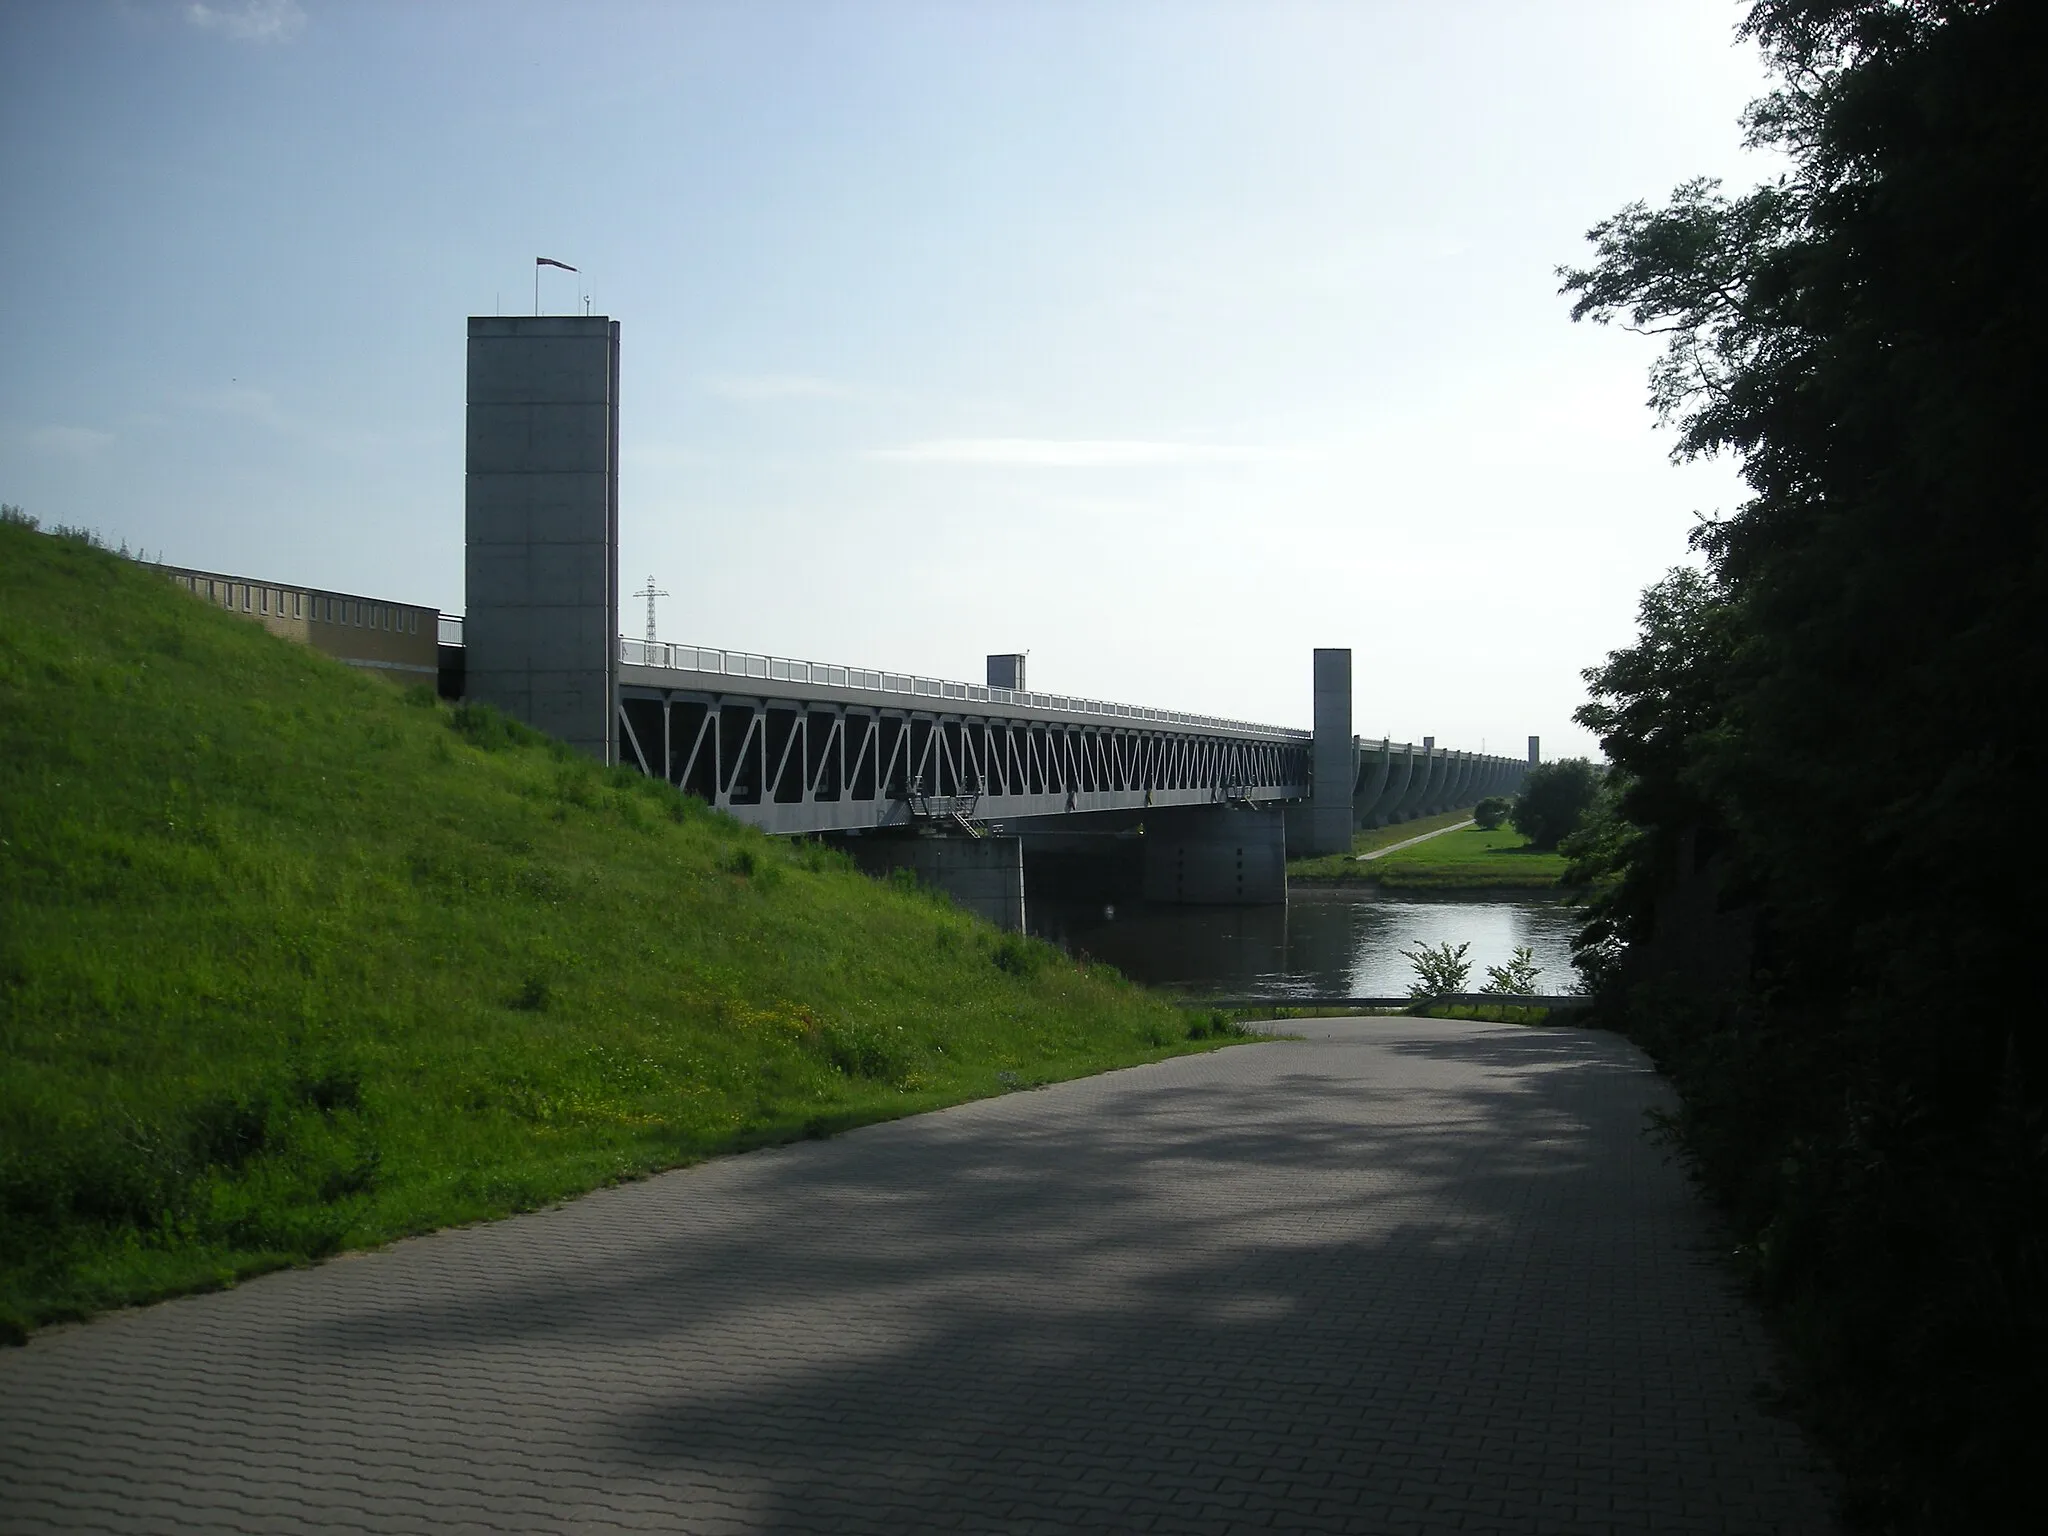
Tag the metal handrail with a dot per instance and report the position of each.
(702, 658)
(783, 669)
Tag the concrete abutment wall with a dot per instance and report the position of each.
(983, 874)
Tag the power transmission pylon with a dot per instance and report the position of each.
(650, 592)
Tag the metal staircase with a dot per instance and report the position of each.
(952, 811)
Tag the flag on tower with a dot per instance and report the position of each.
(549, 261)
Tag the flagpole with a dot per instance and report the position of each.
(538, 263)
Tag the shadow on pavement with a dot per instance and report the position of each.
(1421, 1278)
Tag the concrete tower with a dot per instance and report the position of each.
(1333, 760)
(541, 504)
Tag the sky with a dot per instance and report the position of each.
(1165, 342)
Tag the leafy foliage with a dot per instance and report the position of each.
(1816, 723)
(1440, 969)
(1515, 979)
(1491, 812)
(1554, 796)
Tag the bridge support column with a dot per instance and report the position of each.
(983, 874)
(1375, 767)
(1333, 757)
(1394, 798)
(1220, 855)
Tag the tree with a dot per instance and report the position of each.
(1491, 812)
(1836, 702)
(1554, 796)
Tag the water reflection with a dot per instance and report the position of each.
(1324, 943)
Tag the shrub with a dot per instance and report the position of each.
(1515, 979)
(1439, 970)
(1553, 799)
(1492, 811)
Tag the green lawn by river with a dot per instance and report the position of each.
(1467, 859)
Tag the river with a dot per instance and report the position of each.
(1324, 942)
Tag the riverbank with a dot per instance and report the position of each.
(293, 962)
(1458, 859)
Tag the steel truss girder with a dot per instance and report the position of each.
(796, 766)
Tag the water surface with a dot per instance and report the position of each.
(1324, 943)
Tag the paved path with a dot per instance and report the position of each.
(1410, 842)
(1407, 1275)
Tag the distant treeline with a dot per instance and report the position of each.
(1828, 737)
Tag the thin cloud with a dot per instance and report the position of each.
(257, 405)
(259, 409)
(1068, 453)
(252, 21)
(663, 456)
(779, 386)
(70, 442)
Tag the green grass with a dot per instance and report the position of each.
(293, 962)
(1385, 837)
(1486, 1013)
(1339, 866)
(1468, 859)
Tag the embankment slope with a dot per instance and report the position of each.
(292, 961)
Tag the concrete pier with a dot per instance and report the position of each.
(983, 874)
(541, 503)
(1376, 764)
(1420, 772)
(1401, 763)
(1220, 855)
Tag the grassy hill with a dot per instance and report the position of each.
(292, 961)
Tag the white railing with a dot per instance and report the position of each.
(451, 629)
(782, 669)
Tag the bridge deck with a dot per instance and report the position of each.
(802, 746)
(796, 746)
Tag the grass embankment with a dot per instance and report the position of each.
(292, 962)
(1467, 859)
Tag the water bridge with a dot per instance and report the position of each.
(940, 776)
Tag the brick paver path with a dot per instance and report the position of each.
(1401, 1276)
